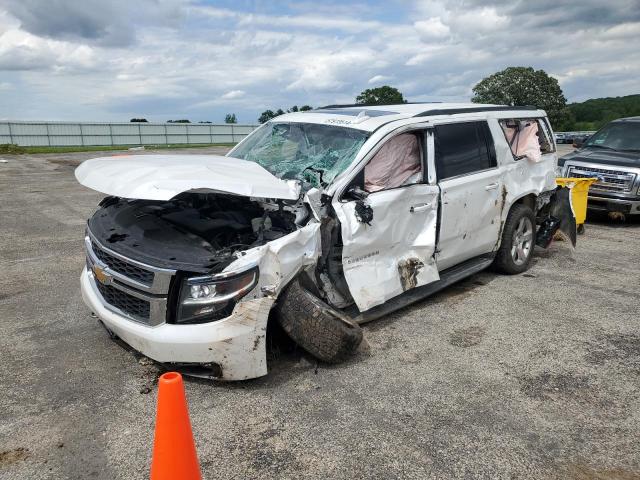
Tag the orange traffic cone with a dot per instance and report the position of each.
(174, 451)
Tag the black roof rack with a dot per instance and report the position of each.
(347, 105)
(453, 111)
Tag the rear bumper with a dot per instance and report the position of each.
(235, 344)
(610, 204)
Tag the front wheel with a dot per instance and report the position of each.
(518, 240)
(318, 328)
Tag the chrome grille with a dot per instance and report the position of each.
(132, 306)
(608, 180)
(126, 286)
(120, 266)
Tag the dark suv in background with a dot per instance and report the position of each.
(612, 155)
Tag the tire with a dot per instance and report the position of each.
(319, 329)
(518, 241)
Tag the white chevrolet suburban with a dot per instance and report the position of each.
(327, 219)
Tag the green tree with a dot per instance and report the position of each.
(184, 120)
(303, 108)
(384, 95)
(520, 86)
(266, 116)
(139, 120)
(594, 113)
(230, 118)
(269, 114)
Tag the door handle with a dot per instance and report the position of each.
(491, 186)
(421, 207)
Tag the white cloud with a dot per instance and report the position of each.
(432, 28)
(308, 21)
(482, 20)
(378, 79)
(233, 94)
(193, 60)
(20, 50)
(629, 30)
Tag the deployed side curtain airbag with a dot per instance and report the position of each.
(523, 139)
(396, 163)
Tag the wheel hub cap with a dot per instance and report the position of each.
(522, 241)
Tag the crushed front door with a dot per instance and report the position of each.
(388, 242)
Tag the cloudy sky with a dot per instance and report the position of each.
(164, 59)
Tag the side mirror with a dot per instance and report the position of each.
(357, 193)
(578, 142)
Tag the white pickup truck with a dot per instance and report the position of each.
(319, 220)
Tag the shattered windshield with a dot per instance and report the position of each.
(314, 154)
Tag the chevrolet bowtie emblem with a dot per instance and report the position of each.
(102, 276)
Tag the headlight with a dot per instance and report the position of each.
(209, 298)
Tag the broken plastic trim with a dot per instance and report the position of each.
(560, 209)
(546, 231)
(363, 212)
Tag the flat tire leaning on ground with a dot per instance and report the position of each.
(319, 329)
(518, 241)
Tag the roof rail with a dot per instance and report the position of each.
(453, 111)
(347, 105)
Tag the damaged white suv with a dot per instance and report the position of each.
(334, 217)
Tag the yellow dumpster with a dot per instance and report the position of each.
(579, 191)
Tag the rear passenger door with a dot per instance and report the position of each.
(470, 188)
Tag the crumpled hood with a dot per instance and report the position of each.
(162, 177)
(603, 156)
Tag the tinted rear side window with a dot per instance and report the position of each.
(463, 148)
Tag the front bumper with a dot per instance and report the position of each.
(611, 204)
(236, 344)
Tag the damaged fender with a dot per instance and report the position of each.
(279, 261)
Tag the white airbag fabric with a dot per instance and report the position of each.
(524, 142)
(393, 164)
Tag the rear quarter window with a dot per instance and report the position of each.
(517, 132)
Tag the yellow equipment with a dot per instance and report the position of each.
(579, 191)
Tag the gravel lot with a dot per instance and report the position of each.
(533, 376)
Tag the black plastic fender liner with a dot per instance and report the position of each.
(321, 330)
(547, 231)
(561, 208)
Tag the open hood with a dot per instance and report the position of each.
(162, 177)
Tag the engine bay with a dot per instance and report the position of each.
(197, 232)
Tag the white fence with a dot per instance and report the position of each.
(30, 134)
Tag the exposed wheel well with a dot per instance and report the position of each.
(527, 200)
